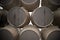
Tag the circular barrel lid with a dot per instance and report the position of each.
(5, 35)
(8, 4)
(8, 33)
(42, 17)
(30, 5)
(55, 35)
(3, 18)
(30, 33)
(18, 17)
(57, 17)
(54, 2)
(50, 33)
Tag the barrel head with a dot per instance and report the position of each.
(42, 17)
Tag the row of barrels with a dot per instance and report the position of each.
(19, 17)
(30, 5)
(52, 4)
(29, 32)
(15, 14)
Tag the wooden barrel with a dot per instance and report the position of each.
(51, 33)
(30, 5)
(30, 33)
(57, 17)
(8, 33)
(8, 4)
(18, 17)
(42, 17)
(3, 18)
(52, 4)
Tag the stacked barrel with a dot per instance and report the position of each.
(15, 20)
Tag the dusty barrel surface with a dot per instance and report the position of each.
(30, 5)
(51, 33)
(3, 18)
(57, 17)
(42, 17)
(30, 33)
(18, 17)
(52, 4)
(8, 4)
(8, 33)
